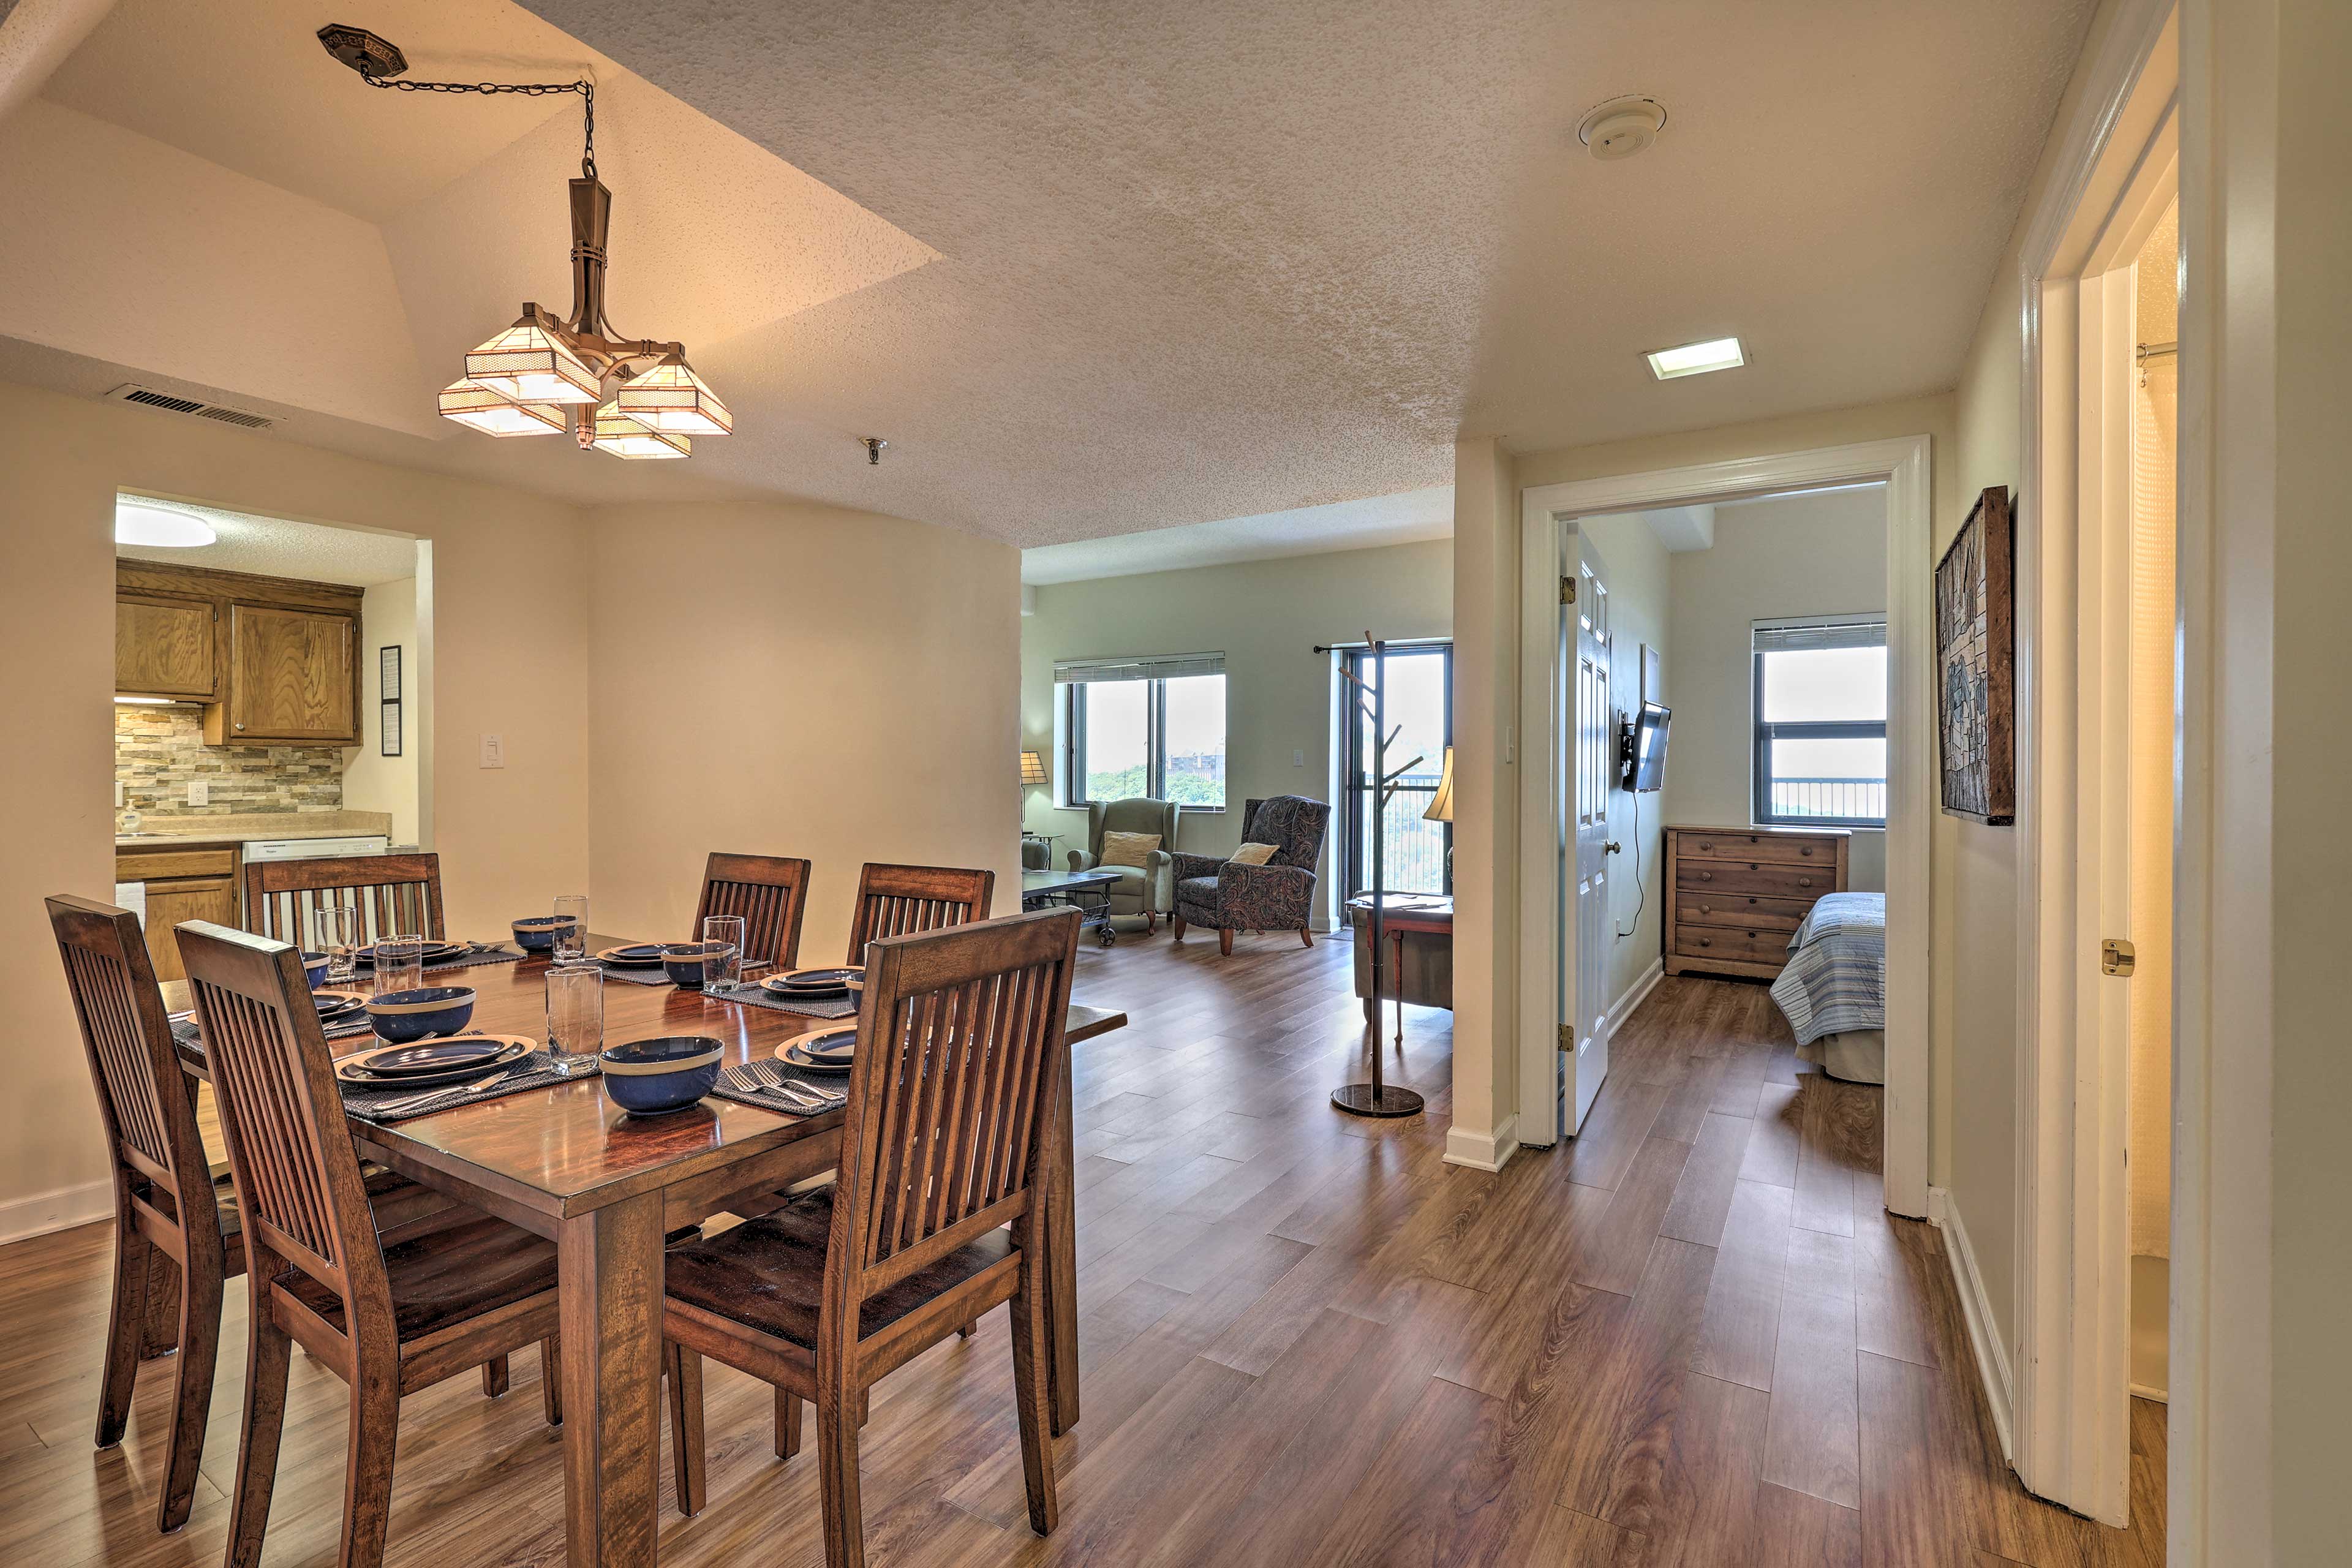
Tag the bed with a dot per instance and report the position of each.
(1833, 991)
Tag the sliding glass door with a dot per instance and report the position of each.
(1420, 717)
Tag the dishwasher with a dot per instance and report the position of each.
(314, 849)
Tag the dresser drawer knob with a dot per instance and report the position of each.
(1703, 942)
(1707, 876)
(1805, 850)
(1804, 882)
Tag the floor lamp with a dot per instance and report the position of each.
(1377, 1097)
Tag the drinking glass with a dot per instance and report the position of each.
(335, 929)
(572, 944)
(399, 963)
(721, 970)
(575, 1016)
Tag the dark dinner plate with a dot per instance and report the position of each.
(635, 953)
(826, 1051)
(431, 1056)
(812, 982)
(434, 951)
(510, 1049)
(333, 1005)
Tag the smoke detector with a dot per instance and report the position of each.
(1621, 126)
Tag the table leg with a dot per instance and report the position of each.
(609, 1265)
(1062, 1275)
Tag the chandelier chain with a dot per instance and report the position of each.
(586, 90)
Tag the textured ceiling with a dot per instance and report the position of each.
(1405, 519)
(1100, 267)
(281, 547)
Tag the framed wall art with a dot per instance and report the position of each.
(1976, 665)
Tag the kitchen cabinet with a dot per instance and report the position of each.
(181, 884)
(274, 660)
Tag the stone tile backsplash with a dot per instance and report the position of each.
(159, 752)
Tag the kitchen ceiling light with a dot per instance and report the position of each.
(492, 414)
(671, 397)
(146, 522)
(616, 432)
(1696, 359)
(555, 373)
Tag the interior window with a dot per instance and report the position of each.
(1821, 723)
(1163, 738)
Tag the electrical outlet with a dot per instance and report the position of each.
(119, 800)
(494, 751)
(1298, 758)
(200, 792)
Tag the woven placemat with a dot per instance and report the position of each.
(636, 974)
(533, 1071)
(463, 961)
(185, 1030)
(753, 995)
(776, 1072)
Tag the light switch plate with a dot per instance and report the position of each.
(1298, 758)
(118, 795)
(200, 792)
(494, 751)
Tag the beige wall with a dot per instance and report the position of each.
(1487, 484)
(1639, 574)
(802, 681)
(374, 782)
(1267, 618)
(1818, 554)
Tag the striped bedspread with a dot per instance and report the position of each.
(1836, 977)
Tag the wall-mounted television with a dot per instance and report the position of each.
(1645, 749)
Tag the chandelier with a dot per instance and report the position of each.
(632, 397)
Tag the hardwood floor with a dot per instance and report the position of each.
(1690, 1337)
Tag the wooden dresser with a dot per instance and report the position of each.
(1740, 893)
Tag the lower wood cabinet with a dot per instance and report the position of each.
(181, 884)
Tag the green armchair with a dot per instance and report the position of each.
(1148, 890)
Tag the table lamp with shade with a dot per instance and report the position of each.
(1032, 768)
(1441, 805)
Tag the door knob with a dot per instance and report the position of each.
(1613, 847)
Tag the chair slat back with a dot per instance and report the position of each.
(896, 900)
(395, 894)
(770, 894)
(960, 1056)
(149, 1122)
(297, 1173)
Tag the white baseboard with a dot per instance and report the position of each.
(1483, 1151)
(1992, 1359)
(57, 1209)
(1637, 993)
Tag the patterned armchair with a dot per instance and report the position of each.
(1276, 895)
(1148, 890)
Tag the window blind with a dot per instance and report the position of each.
(1157, 667)
(1818, 631)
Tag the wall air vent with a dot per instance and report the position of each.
(220, 412)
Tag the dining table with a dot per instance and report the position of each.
(563, 1162)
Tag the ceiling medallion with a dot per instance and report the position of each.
(632, 397)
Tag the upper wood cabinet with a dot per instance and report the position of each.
(275, 661)
(163, 646)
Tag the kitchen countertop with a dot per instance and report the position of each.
(190, 832)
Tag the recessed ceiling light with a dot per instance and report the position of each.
(1696, 359)
(147, 522)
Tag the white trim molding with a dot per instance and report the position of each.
(59, 1208)
(1483, 1151)
(1544, 930)
(1976, 1308)
(1639, 992)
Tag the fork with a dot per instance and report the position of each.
(399, 1106)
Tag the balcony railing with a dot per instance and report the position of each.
(1829, 800)
(1412, 849)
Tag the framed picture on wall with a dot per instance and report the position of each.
(1976, 665)
(388, 693)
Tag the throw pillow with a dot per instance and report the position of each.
(1129, 848)
(1254, 854)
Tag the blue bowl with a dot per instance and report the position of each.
(401, 1016)
(537, 934)
(314, 969)
(682, 961)
(647, 1078)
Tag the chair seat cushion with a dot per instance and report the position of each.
(769, 1273)
(447, 1277)
(1200, 890)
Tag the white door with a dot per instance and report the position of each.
(1589, 776)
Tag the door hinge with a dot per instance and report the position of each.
(1568, 1037)
(2118, 956)
(1567, 590)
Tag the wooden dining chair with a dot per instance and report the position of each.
(390, 1310)
(951, 1135)
(770, 892)
(178, 1232)
(395, 894)
(895, 901)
